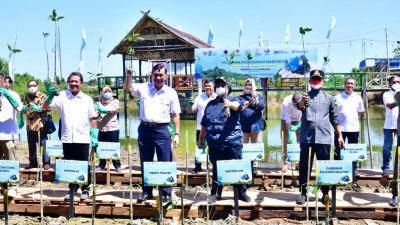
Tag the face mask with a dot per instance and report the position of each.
(32, 90)
(107, 95)
(247, 91)
(316, 86)
(220, 91)
(396, 87)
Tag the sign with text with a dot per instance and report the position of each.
(54, 149)
(200, 155)
(334, 172)
(255, 62)
(108, 150)
(253, 151)
(354, 152)
(9, 171)
(71, 171)
(234, 172)
(293, 152)
(159, 173)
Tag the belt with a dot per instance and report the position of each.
(152, 124)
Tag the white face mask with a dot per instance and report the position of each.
(220, 91)
(316, 86)
(32, 90)
(396, 87)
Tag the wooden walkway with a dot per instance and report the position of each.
(265, 176)
(116, 203)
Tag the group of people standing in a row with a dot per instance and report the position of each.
(81, 122)
(224, 123)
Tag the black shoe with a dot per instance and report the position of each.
(167, 199)
(301, 200)
(385, 174)
(245, 198)
(323, 199)
(393, 201)
(213, 199)
(30, 167)
(144, 197)
(197, 170)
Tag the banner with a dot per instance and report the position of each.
(200, 155)
(9, 171)
(159, 173)
(234, 172)
(354, 152)
(54, 149)
(253, 151)
(293, 152)
(108, 150)
(255, 62)
(334, 172)
(71, 171)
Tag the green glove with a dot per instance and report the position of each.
(21, 121)
(94, 135)
(138, 103)
(190, 101)
(103, 110)
(171, 128)
(292, 134)
(9, 97)
(295, 127)
(51, 91)
(204, 146)
(36, 108)
(395, 103)
(24, 109)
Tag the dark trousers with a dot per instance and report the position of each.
(79, 152)
(32, 145)
(109, 136)
(393, 183)
(156, 139)
(352, 138)
(323, 153)
(197, 165)
(217, 153)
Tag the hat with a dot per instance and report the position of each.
(317, 73)
(220, 79)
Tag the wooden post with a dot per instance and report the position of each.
(125, 97)
(130, 183)
(334, 201)
(108, 173)
(186, 160)
(368, 123)
(94, 187)
(5, 202)
(71, 209)
(182, 207)
(236, 199)
(308, 180)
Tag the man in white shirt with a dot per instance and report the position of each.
(350, 108)
(158, 104)
(200, 103)
(9, 107)
(78, 122)
(290, 119)
(390, 126)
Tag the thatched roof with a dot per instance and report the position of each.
(159, 41)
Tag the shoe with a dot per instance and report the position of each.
(301, 200)
(66, 197)
(393, 201)
(84, 195)
(197, 170)
(118, 169)
(98, 169)
(245, 198)
(167, 199)
(385, 173)
(12, 193)
(144, 197)
(323, 199)
(46, 166)
(30, 167)
(297, 167)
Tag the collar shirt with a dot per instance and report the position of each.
(390, 114)
(318, 118)
(8, 118)
(75, 112)
(156, 106)
(222, 131)
(348, 107)
(200, 103)
(33, 118)
(109, 121)
(289, 112)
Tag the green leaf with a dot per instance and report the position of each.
(60, 18)
(307, 29)
(16, 50)
(249, 57)
(45, 34)
(9, 47)
(54, 15)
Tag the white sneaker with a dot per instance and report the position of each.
(12, 192)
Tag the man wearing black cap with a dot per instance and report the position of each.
(318, 115)
(221, 128)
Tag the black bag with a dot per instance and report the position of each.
(48, 125)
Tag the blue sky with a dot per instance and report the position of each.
(355, 20)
